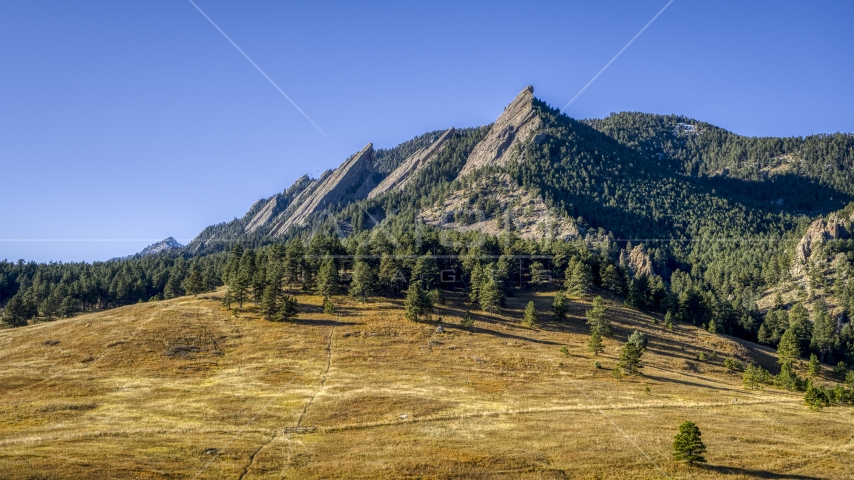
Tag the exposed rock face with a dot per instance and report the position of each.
(276, 204)
(514, 127)
(353, 180)
(261, 218)
(161, 246)
(819, 232)
(407, 170)
(637, 261)
(529, 216)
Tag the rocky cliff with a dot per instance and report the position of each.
(514, 127)
(410, 167)
(353, 180)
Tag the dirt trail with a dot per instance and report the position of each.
(305, 408)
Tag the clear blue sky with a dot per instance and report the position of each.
(122, 123)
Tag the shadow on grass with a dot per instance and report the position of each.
(684, 382)
(721, 469)
(320, 323)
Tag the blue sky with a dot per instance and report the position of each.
(122, 123)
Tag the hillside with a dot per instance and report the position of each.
(181, 388)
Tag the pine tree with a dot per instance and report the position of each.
(417, 304)
(490, 296)
(426, 271)
(814, 366)
(787, 349)
(69, 306)
(581, 281)
(536, 269)
(177, 273)
(639, 338)
(391, 277)
(530, 316)
(612, 280)
(233, 263)
(594, 344)
(270, 304)
(559, 306)
(194, 283)
(327, 277)
(239, 287)
(15, 314)
(630, 357)
(596, 318)
(328, 306)
(259, 282)
(294, 262)
(50, 306)
(801, 326)
(477, 281)
(288, 309)
(468, 321)
(363, 282)
(668, 320)
(688, 445)
(823, 332)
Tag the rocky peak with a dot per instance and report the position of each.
(407, 170)
(514, 127)
(161, 246)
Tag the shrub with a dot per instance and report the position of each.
(732, 364)
(755, 378)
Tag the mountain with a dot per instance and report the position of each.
(161, 246)
(670, 213)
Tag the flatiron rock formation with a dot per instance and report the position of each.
(514, 127)
(353, 180)
(410, 167)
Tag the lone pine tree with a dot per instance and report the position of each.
(688, 445)
(531, 314)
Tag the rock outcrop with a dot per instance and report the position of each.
(513, 128)
(410, 167)
(636, 261)
(817, 234)
(353, 180)
(529, 216)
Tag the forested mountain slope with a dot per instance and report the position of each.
(800, 173)
(668, 213)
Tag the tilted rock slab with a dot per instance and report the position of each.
(353, 180)
(262, 217)
(514, 127)
(412, 165)
(275, 205)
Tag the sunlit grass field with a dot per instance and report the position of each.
(184, 389)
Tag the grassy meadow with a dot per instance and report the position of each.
(183, 389)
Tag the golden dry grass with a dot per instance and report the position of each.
(123, 395)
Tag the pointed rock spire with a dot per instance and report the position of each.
(514, 127)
